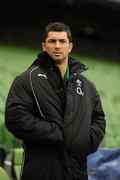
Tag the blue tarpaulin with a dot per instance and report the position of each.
(104, 164)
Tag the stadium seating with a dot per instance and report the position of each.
(17, 161)
(15, 59)
(3, 174)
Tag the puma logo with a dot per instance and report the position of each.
(43, 75)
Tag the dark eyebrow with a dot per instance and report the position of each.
(63, 40)
(53, 40)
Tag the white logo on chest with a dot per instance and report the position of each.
(43, 75)
(79, 90)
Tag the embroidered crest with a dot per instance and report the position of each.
(79, 90)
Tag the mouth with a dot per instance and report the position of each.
(57, 53)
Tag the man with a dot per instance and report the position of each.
(56, 111)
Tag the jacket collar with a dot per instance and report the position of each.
(45, 60)
(76, 65)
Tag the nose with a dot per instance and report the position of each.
(57, 44)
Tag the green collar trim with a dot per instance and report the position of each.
(67, 74)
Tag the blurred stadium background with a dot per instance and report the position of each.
(95, 26)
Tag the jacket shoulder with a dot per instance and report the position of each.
(21, 84)
(24, 77)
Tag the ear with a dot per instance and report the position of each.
(71, 46)
(43, 46)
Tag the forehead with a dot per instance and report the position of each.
(57, 35)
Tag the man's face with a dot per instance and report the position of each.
(57, 45)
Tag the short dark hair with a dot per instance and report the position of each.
(58, 27)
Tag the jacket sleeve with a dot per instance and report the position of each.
(21, 120)
(98, 123)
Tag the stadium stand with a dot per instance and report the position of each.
(18, 59)
(3, 174)
(17, 162)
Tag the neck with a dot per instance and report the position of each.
(62, 67)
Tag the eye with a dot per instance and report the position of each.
(62, 41)
(51, 41)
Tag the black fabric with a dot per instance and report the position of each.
(59, 127)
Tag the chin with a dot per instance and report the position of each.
(58, 61)
(57, 58)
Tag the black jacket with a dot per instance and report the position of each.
(59, 124)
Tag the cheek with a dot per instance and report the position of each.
(49, 51)
(48, 48)
(67, 50)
